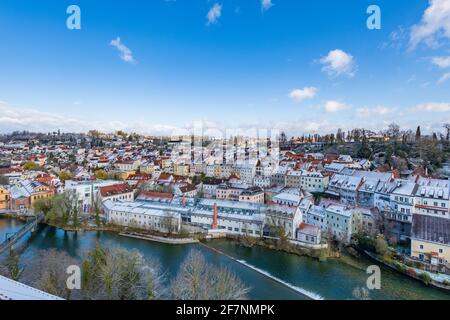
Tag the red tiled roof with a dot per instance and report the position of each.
(115, 189)
(164, 176)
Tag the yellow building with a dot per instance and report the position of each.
(40, 191)
(181, 169)
(217, 171)
(5, 198)
(430, 239)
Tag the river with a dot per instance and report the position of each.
(303, 277)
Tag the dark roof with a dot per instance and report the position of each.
(187, 188)
(429, 228)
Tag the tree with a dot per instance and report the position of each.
(425, 277)
(31, 166)
(364, 152)
(65, 175)
(418, 134)
(11, 268)
(198, 280)
(381, 245)
(43, 205)
(101, 174)
(393, 131)
(97, 211)
(119, 274)
(75, 216)
(47, 272)
(60, 207)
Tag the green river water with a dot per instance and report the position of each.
(301, 277)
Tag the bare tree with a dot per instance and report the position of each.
(10, 267)
(120, 274)
(48, 272)
(198, 280)
(393, 131)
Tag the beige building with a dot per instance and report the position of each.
(430, 239)
(181, 169)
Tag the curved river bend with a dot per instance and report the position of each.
(270, 274)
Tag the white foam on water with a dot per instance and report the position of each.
(309, 294)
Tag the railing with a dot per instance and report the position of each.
(12, 238)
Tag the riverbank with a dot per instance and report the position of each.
(344, 255)
(331, 280)
(419, 275)
(158, 239)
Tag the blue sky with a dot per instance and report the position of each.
(303, 66)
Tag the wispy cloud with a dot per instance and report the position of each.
(435, 24)
(433, 107)
(214, 14)
(124, 52)
(366, 112)
(444, 78)
(335, 106)
(266, 5)
(299, 95)
(441, 62)
(337, 62)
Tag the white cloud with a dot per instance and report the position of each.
(14, 118)
(338, 62)
(367, 112)
(302, 94)
(433, 107)
(444, 78)
(266, 4)
(435, 24)
(442, 62)
(335, 106)
(124, 52)
(214, 14)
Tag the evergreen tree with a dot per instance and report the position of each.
(418, 134)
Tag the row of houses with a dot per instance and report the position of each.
(21, 196)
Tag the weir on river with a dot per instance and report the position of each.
(270, 274)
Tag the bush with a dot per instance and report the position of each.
(425, 277)
(400, 267)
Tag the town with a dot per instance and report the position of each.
(386, 193)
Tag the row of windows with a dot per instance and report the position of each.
(435, 204)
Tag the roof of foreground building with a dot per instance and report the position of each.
(13, 290)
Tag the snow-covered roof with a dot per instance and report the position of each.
(13, 290)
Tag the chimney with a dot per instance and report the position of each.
(184, 201)
(214, 226)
